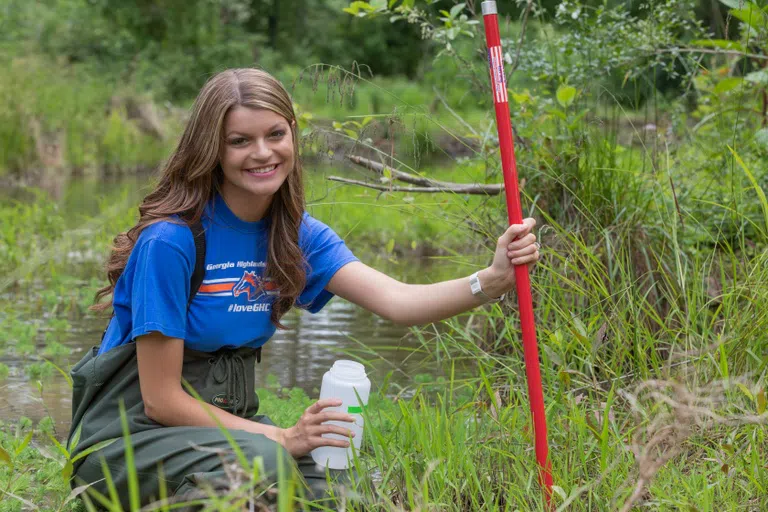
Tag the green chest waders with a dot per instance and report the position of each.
(190, 456)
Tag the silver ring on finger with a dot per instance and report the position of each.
(538, 245)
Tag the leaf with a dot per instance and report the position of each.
(351, 133)
(456, 9)
(751, 15)
(45, 452)
(565, 95)
(67, 377)
(66, 471)
(378, 4)
(355, 7)
(727, 84)
(4, 456)
(94, 448)
(580, 327)
(560, 492)
(337, 125)
(391, 245)
(77, 491)
(744, 389)
(552, 355)
(605, 430)
(75, 438)
(762, 402)
(723, 363)
(58, 445)
(723, 44)
(24, 443)
(523, 97)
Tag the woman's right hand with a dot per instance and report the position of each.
(306, 435)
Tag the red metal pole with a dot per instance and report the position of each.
(515, 215)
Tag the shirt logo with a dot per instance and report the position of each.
(253, 286)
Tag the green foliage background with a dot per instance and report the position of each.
(641, 144)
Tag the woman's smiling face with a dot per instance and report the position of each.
(257, 155)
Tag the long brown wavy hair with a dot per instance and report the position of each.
(192, 175)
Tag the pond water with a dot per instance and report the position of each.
(297, 357)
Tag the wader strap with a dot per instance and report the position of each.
(198, 233)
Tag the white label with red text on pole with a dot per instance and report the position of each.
(498, 80)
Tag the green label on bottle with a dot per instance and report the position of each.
(352, 409)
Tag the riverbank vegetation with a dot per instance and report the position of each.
(641, 141)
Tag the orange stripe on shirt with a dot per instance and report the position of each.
(218, 287)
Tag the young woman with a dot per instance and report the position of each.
(234, 181)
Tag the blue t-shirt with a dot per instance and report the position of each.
(232, 308)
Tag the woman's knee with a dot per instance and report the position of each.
(268, 454)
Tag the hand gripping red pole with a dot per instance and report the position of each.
(515, 215)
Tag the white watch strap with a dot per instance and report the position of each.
(477, 290)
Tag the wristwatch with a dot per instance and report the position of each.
(477, 290)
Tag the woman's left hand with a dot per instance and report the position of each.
(517, 246)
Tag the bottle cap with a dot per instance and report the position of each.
(346, 369)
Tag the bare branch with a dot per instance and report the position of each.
(456, 189)
(433, 185)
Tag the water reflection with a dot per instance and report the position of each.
(300, 356)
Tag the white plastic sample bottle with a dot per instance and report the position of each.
(342, 381)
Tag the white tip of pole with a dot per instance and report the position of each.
(489, 7)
